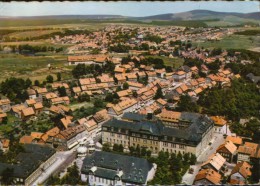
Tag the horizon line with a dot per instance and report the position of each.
(123, 15)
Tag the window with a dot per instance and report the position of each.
(112, 134)
(165, 144)
(151, 137)
(145, 141)
(156, 138)
(173, 145)
(144, 136)
(119, 136)
(181, 146)
(133, 134)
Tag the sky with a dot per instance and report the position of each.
(121, 8)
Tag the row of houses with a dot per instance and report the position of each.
(219, 164)
(69, 133)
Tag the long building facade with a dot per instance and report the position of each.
(30, 164)
(153, 134)
(106, 168)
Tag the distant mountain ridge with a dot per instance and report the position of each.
(66, 17)
(189, 15)
(200, 15)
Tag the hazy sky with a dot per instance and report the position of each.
(121, 8)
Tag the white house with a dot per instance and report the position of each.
(106, 168)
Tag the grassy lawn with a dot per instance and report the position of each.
(34, 33)
(31, 66)
(6, 128)
(42, 42)
(176, 61)
(233, 42)
(79, 105)
(231, 21)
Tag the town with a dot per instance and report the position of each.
(143, 105)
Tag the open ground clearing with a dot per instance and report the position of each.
(232, 42)
(34, 67)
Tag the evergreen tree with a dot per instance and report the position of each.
(49, 79)
(158, 94)
(125, 86)
(62, 91)
(36, 83)
(58, 76)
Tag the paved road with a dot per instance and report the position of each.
(218, 139)
(61, 158)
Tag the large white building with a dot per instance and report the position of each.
(191, 133)
(105, 168)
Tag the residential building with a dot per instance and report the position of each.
(235, 139)
(207, 177)
(4, 144)
(32, 94)
(220, 124)
(215, 162)
(3, 116)
(88, 59)
(247, 151)
(240, 173)
(27, 113)
(127, 105)
(5, 105)
(227, 150)
(69, 137)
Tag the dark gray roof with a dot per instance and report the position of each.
(185, 68)
(253, 78)
(135, 116)
(108, 164)
(153, 127)
(198, 125)
(28, 161)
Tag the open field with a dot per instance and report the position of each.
(34, 67)
(33, 33)
(177, 62)
(233, 42)
(30, 24)
(231, 21)
(93, 24)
